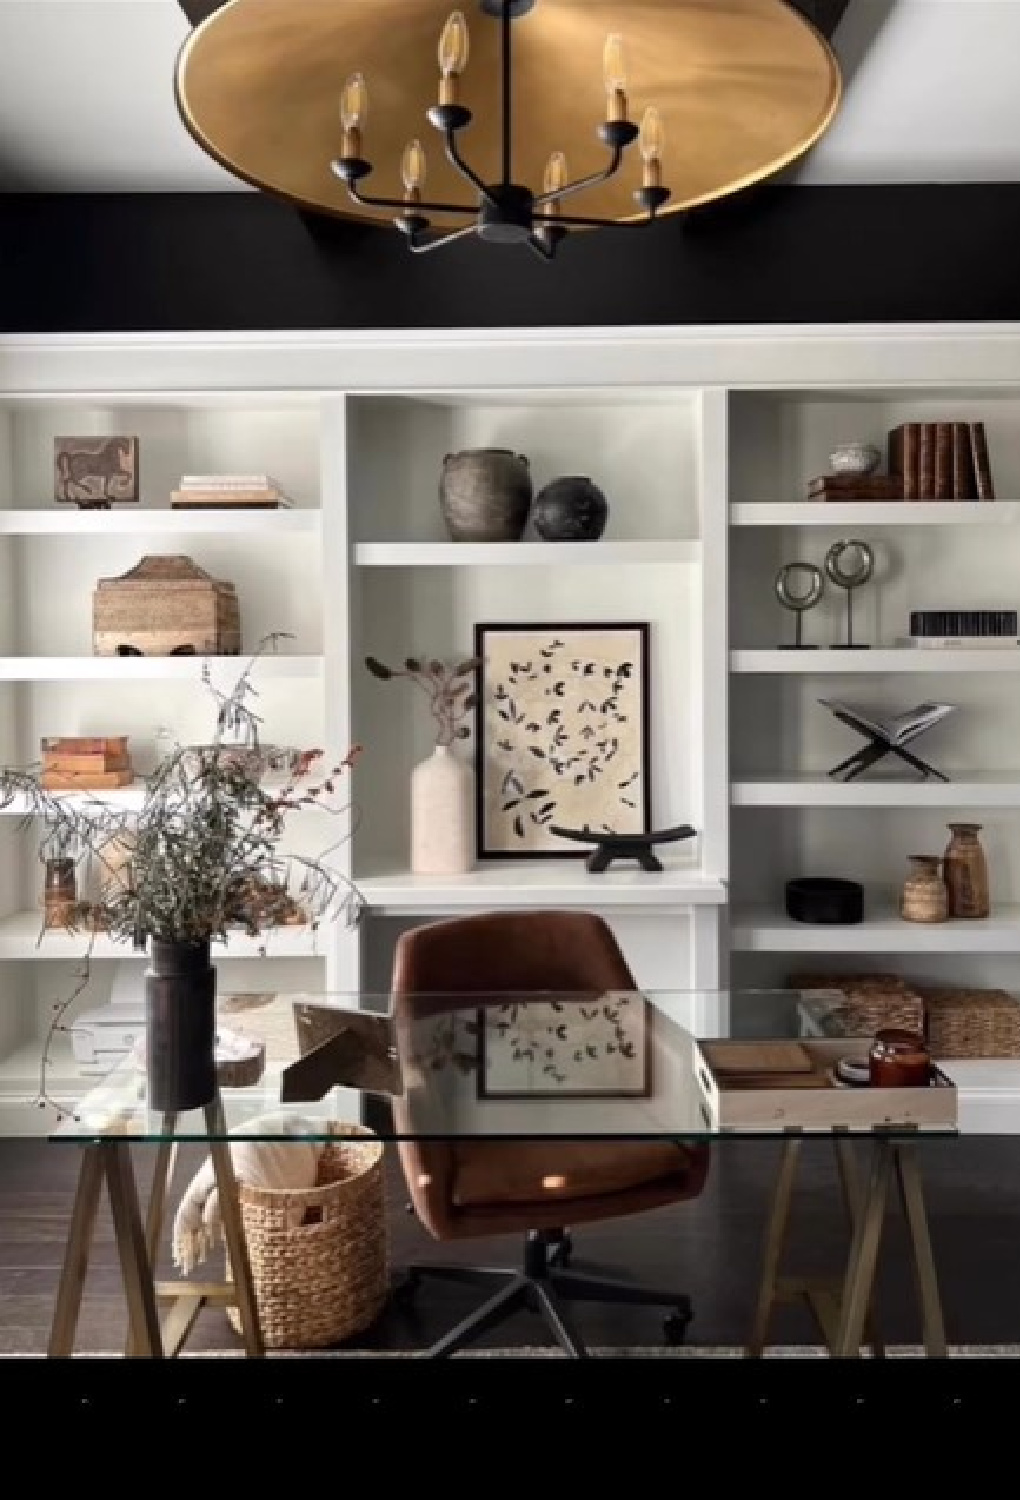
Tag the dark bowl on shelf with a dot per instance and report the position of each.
(824, 899)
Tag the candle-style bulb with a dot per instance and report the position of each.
(554, 181)
(613, 64)
(454, 46)
(412, 169)
(651, 143)
(354, 102)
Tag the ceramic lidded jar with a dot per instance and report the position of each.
(570, 509)
(485, 495)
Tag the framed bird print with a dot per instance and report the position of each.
(561, 735)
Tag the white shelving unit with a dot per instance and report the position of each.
(703, 440)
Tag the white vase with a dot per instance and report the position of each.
(442, 814)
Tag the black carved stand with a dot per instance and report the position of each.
(613, 846)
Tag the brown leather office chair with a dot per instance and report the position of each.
(468, 1188)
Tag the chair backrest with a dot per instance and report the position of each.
(490, 953)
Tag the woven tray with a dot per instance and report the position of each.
(971, 1022)
(870, 1001)
(319, 1255)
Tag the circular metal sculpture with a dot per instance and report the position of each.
(799, 587)
(849, 564)
(743, 89)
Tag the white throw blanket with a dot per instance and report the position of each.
(198, 1223)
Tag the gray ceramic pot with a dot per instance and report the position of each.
(570, 509)
(485, 495)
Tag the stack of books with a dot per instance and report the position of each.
(217, 491)
(856, 487)
(941, 460)
(963, 627)
(85, 763)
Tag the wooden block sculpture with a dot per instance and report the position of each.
(93, 472)
(165, 606)
(613, 846)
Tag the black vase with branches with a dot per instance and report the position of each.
(199, 861)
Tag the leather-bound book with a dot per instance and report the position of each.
(982, 465)
(943, 489)
(904, 444)
(926, 461)
(964, 487)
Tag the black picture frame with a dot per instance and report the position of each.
(534, 843)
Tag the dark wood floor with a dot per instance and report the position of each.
(709, 1248)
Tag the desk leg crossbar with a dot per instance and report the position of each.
(138, 1248)
(843, 1309)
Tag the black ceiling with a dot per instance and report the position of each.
(824, 13)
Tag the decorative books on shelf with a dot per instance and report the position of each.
(955, 628)
(228, 491)
(945, 460)
(837, 487)
(85, 763)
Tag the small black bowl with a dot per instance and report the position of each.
(824, 898)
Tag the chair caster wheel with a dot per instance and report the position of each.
(674, 1328)
(562, 1251)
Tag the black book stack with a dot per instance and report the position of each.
(967, 627)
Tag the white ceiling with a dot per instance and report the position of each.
(86, 98)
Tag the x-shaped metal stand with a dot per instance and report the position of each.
(876, 749)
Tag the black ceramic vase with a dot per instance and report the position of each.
(180, 1026)
(570, 509)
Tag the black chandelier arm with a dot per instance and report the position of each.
(455, 159)
(571, 221)
(432, 208)
(422, 246)
(584, 182)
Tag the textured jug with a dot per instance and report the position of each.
(485, 495)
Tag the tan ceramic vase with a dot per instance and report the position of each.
(965, 871)
(442, 814)
(924, 896)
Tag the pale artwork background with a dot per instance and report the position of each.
(561, 734)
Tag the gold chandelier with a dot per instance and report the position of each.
(506, 212)
(538, 135)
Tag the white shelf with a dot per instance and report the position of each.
(544, 883)
(826, 661)
(766, 931)
(878, 513)
(123, 798)
(22, 937)
(522, 554)
(985, 789)
(154, 520)
(149, 668)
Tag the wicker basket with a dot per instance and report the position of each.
(323, 1279)
(870, 1001)
(971, 1022)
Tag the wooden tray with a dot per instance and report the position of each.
(778, 1096)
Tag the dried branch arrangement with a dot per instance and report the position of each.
(202, 857)
(448, 689)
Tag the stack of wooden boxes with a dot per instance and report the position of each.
(85, 763)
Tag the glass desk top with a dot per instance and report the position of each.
(609, 1065)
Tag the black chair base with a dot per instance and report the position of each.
(542, 1287)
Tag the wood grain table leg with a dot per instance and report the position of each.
(859, 1281)
(139, 1284)
(162, 1172)
(849, 1180)
(76, 1253)
(233, 1230)
(908, 1181)
(775, 1244)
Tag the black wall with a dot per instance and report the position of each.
(146, 262)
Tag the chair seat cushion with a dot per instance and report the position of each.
(488, 1173)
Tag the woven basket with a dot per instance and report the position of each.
(971, 1022)
(870, 1001)
(319, 1255)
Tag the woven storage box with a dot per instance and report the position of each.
(870, 1001)
(162, 605)
(319, 1255)
(971, 1022)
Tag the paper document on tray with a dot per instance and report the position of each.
(896, 729)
